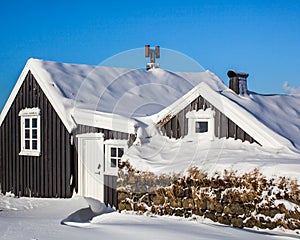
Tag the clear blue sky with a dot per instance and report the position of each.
(259, 37)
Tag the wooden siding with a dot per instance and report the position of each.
(177, 126)
(108, 134)
(110, 191)
(49, 174)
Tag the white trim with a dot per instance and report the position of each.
(30, 112)
(25, 114)
(108, 145)
(201, 116)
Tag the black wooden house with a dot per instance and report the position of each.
(65, 126)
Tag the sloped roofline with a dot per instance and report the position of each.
(46, 83)
(249, 123)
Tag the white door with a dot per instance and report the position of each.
(91, 165)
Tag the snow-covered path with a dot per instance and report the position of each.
(30, 219)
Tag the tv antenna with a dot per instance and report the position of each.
(152, 54)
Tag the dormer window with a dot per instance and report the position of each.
(30, 132)
(201, 126)
(201, 122)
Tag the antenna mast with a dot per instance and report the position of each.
(152, 54)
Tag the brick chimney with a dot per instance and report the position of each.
(238, 82)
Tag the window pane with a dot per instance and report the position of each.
(27, 122)
(27, 133)
(113, 162)
(27, 144)
(34, 134)
(120, 152)
(34, 144)
(201, 127)
(113, 152)
(34, 122)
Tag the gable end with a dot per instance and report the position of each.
(49, 174)
(176, 126)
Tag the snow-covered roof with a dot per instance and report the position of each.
(75, 88)
(280, 113)
(261, 132)
(120, 98)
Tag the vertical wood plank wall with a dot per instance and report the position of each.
(177, 126)
(110, 191)
(49, 174)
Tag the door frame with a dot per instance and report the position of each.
(88, 185)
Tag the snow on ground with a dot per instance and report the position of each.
(31, 218)
(163, 155)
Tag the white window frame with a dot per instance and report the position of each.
(109, 144)
(201, 116)
(30, 113)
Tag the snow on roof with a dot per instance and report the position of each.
(280, 113)
(267, 137)
(79, 91)
(129, 93)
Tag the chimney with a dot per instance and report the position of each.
(238, 82)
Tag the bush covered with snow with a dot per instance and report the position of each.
(248, 200)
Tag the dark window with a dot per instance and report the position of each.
(34, 134)
(27, 123)
(120, 152)
(115, 155)
(34, 144)
(34, 123)
(27, 144)
(113, 162)
(27, 133)
(201, 127)
(113, 152)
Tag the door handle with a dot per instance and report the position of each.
(98, 172)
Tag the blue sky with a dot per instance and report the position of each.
(259, 37)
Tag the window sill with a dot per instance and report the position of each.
(30, 153)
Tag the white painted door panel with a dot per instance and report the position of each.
(90, 166)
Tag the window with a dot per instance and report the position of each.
(115, 155)
(114, 150)
(30, 132)
(201, 123)
(201, 127)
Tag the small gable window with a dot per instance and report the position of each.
(201, 123)
(201, 126)
(30, 132)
